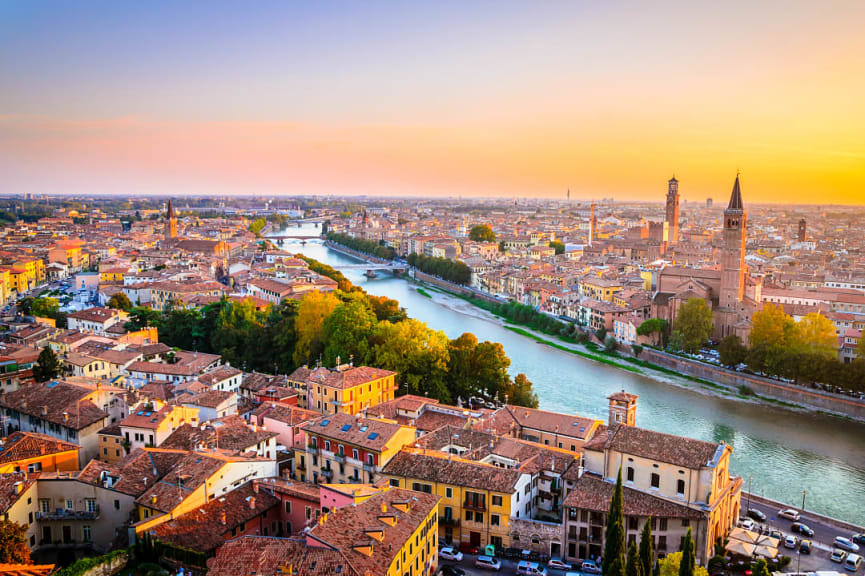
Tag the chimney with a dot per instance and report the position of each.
(255, 487)
(17, 487)
(383, 508)
(252, 502)
(152, 498)
(44, 410)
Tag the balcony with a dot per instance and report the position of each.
(327, 472)
(339, 458)
(369, 468)
(63, 514)
(449, 521)
(310, 449)
(475, 505)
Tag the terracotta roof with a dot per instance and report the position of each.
(56, 398)
(346, 527)
(347, 378)
(24, 445)
(365, 432)
(440, 467)
(134, 473)
(26, 569)
(9, 494)
(591, 492)
(205, 528)
(208, 399)
(551, 422)
(228, 433)
(218, 374)
(189, 472)
(270, 556)
(291, 415)
(676, 450)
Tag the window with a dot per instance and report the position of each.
(91, 505)
(45, 505)
(497, 500)
(662, 524)
(370, 460)
(355, 454)
(662, 543)
(394, 482)
(69, 505)
(85, 533)
(288, 527)
(630, 474)
(449, 492)
(117, 504)
(327, 444)
(494, 519)
(656, 480)
(680, 487)
(685, 523)
(288, 508)
(632, 522)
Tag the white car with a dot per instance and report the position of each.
(746, 523)
(590, 567)
(846, 544)
(558, 564)
(488, 563)
(789, 514)
(791, 542)
(449, 553)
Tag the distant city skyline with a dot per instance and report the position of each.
(451, 99)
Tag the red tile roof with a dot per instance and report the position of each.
(270, 556)
(591, 492)
(24, 445)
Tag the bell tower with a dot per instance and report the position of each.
(733, 258)
(673, 209)
(623, 409)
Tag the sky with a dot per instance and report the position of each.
(607, 99)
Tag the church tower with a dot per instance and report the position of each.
(733, 258)
(623, 409)
(673, 209)
(592, 223)
(170, 225)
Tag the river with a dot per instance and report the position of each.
(781, 452)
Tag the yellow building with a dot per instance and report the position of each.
(477, 499)
(112, 276)
(347, 389)
(599, 288)
(394, 533)
(343, 449)
(33, 452)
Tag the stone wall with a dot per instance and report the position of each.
(801, 395)
(535, 535)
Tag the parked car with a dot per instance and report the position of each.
(805, 547)
(590, 567)
(853, 562)
(838, 556)
(802, 529)
(789, 514)
(858, 538)
(450, 570)
(449, 553)
(756, 515)
(846, 544)
(746, 523)
(488, 563)
(791, 542)
(467, 548)
(558, 564)
(776, 534)
(526, 568)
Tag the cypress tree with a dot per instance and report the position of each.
(635, 563)
(656, 571)
(614, 538)
(647, 547)
(689, 561)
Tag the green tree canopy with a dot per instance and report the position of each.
(45, 307)
(732, 352)
(694, 322)
(688, 563)
(313, 309)
(346, 333)
(482, 233)
(47, 366)
(656, 328)
(634, 566)
(520, 392)
(120, 301)
(647, 545)
(670, 566)
(614, 537)
(559, 247)
(416, 353)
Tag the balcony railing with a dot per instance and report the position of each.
(312, 449)
(327, 472)
(63, 514)
(449, 521)
(339, 457)
(369, 468)
(474, 505)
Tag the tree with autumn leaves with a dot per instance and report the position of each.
(13, 543)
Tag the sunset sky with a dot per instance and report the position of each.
(465, 98)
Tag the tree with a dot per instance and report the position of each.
(13, 543)
(521, 393)
(482, 233)
(346, 332)
(759, 568)
(416, 353)
(558, 247)
(772, 327)
(610, 344)
(313, 309)
(634, 566)
(45, 307)
(817, 335)
(860, 348)
(670, 565)
(647, 552)
(47, 366)
(120, 301)
(657, 328)
(688, 564)
(25, 306)
(614, 537)
(141, 317)
(694, 321)
(732, 351)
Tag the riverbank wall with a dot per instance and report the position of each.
(354, 253)
(453, 288)
(806, 397)
(840, 524)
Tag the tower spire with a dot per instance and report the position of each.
(736, 196)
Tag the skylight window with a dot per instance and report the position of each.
(373, 436)
(346, 427)
(324, 423)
